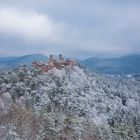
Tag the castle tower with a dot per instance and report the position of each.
(61, 58)
(51, 60)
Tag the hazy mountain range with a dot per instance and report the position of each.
(129, 64)
(12, 62)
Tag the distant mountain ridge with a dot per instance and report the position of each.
(6, 59)
(129, 64)
(28, 59)
(12, 62)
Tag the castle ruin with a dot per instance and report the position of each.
(53, 63)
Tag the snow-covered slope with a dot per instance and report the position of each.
(75, 103)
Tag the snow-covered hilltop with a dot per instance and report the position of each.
(68, 104)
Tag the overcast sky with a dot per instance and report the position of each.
(76, 28)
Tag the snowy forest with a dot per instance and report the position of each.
(68, 104)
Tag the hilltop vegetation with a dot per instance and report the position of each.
(68, 104)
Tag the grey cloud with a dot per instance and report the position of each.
(89, 27)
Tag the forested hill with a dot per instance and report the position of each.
(70, 103)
